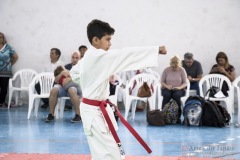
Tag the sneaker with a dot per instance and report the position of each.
(50, 118)
(44, 105)
(77, 118)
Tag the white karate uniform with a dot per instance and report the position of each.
(92, 73)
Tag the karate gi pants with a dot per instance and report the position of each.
(101, 142)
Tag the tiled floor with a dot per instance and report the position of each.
(20, 135)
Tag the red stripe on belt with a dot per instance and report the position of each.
(102, 105)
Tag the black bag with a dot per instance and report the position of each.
(212, 116)
(213, 90)
(225, 114)
(192, 111)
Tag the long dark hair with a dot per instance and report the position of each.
(224, 56)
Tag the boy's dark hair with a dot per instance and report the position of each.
(97, 28)
(58, 70)
(58, 52)
(82, 46)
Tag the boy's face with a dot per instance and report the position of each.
(103, 43)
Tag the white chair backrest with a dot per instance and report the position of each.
(25, 76)
(150, 71)
(214, 80)
(137, 81)
(125, 76)
(236, 82)
(118, 78)
(45, 80)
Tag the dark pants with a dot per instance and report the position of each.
(195, 86)
(112, 89)
(38, 89)
(3, 88)
(173, 94)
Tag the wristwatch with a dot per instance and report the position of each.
(193, 79)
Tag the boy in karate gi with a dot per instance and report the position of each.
(93, 72)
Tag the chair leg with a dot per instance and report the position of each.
(30, 106)
(134, 107)
(127, 108)
(62, 105)
(151, 104)
(36, 105)
(124, 97)
(10, 98)
(228, 106)
(17, 95)
(57, 108)
(238, 114)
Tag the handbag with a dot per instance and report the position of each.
(213, 91)
(155, 117)
(144, 90)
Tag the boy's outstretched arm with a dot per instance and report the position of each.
(162, 50)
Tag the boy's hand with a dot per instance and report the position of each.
(162, 50)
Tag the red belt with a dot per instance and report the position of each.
(102, 105)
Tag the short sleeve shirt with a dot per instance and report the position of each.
(194, 70)
(228, 70)
(5, 61)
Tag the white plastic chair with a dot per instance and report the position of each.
(138, 81)
(236, 84)
(155, 73)
(217, 80)
(184, 98)
(23, 77)
(59, 109)
(125, 76)
(45, 80)
(119, 90)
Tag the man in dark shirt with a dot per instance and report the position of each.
(194, 71)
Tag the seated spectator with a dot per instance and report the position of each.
(174, 82)
(65, 80)
(112, 82)
(194, 71)
(74, 60)
(82, 49)
(55, 54)
(223, 67)
(59, 91)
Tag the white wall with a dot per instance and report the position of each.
(203, 27)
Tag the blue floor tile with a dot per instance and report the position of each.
(20, 135)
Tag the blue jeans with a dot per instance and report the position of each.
(175, 95)
(195, 86)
